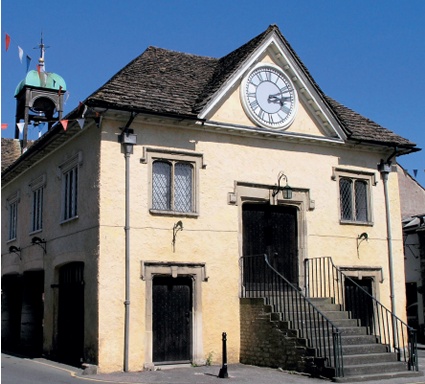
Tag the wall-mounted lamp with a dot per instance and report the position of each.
(177, 227)
(16, 250)
(362, 237)
(40, 242)
(286, 190)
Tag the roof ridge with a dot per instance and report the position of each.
(226, 66)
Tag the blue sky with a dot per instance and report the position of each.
(368, 55)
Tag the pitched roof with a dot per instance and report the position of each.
(161, 81)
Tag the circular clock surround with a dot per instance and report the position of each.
(269, 97)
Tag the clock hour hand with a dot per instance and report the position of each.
(276, 99)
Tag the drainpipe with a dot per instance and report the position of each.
(127, 139)
(385, 168)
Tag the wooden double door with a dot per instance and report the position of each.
(272, 230)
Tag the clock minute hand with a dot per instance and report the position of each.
(276, 99)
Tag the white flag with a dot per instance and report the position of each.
(20, 126)
(21, 53)
(81, 122)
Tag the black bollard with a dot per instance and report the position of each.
(223, 370)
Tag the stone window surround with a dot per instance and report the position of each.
(34, 185)
(197, 271)
(352, 174)
(150, 154)
(360, 272)
(12, 203)
(75, 160)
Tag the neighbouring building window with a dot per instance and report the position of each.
(12, 206)
(70, 180)
(174, 181)
(355, 196)
(37, 188)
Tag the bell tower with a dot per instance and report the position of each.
(39, 98)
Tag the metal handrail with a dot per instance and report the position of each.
(262, 280)
(324, 279)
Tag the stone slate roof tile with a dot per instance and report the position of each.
(158, 81)
(363, 129)
(10, 151)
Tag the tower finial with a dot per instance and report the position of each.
(42, 48)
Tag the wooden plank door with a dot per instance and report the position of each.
(172, 319)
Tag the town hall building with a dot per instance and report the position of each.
(190, 196)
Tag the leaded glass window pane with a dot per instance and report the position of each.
(183, 187)
(345, 192)
(161, 185)
(13, 218)
(70, 185)
(37, 209)
(361, 200)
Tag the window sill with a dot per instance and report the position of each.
(173, 213)
(348, 222)
(69, 220)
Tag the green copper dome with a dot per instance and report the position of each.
(47, 80)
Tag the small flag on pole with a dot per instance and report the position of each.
(21, 53)
(28, 62)
(20, 126)
(81, 122)
(7, 41)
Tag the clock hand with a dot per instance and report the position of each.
(276, 99)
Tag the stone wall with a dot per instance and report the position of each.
(266, 341)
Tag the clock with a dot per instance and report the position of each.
(269, 97)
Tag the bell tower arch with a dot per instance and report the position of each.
(39, 99)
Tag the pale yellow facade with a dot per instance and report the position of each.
(235, 164)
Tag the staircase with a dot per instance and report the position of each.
(338, 344)
(363, 356)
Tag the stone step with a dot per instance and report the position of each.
(331, 315)
(345, 331)
(373, 369)
(358, 339)
(369, 358)
(358, 349)
(378, 377)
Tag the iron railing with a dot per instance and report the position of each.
(261, 280)
(324, 279)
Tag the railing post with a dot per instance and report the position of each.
(337, 349)
(413, 358)
(223, 370)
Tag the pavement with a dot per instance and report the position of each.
(237, 374)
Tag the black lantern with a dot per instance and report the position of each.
(286, 190)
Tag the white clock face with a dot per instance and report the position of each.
(269, 98)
